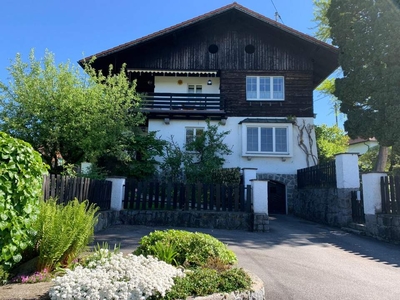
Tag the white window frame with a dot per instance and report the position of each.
(195, 86)
(195, 129)
(271, 93)
(274, 153)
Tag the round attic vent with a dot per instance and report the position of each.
(213, 48)
(250, 49)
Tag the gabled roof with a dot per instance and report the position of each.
(233, 6)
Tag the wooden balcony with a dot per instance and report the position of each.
(161, 105)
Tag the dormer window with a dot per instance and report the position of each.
(265, 88)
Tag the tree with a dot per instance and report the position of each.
(320, 10)
(60, 111)
(327, 87)
(367, 34)
(134, 155)
(199, 158)
(206, 153)
(330, 141)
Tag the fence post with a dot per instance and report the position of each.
(117, 192)
(260, 205)
(347, 172)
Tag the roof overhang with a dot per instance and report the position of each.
(266, 120)
(174, 72)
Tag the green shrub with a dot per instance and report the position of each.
(3, 275)
(203, 281)
(21, 171)
(63, 231)
(192, 249)
(226, 176)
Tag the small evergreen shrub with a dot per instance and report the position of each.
(204, 281)
(63, 232)
(192, 249)
(21, 171)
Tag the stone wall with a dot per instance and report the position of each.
(289, 180)
(330, 206)
(107, 219)
(196, 219)
(383, 227)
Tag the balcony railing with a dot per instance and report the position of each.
(179, 102)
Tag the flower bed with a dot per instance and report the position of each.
(116, 277)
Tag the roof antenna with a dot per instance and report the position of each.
(277, 15)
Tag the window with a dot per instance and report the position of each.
(192, 133)
(195, 88)
(266, 140)
(269, 88)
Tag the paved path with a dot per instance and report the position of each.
(298, 259)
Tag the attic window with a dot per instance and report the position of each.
(213, 48)
(250, 49)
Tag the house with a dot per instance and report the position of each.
(234, 66)
(360, 145)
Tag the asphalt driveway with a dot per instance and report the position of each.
(298, 259)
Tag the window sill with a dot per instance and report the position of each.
(266, 100)
(255, 154)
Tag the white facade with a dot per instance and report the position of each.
(180, 84)
(287, 163)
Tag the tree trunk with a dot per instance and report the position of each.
(382, 159)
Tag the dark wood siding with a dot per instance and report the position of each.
(276, 53)
(298, 95)
(187, 49)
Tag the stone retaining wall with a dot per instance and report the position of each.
(330, 206)
(383, 227)
(195, 219)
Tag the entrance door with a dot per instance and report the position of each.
(276, 198)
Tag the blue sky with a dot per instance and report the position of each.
(74, 29)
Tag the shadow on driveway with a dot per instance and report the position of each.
(284, 230)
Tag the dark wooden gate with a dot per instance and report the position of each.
(357, 207)
(276, 198)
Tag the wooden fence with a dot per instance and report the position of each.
(357, 207)
(390, 193)
(319, 176)
(66, 188)
(172, 196)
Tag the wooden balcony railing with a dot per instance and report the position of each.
(176, 102)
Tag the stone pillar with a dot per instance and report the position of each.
(260, 205)
(347, 172)
(117, 192)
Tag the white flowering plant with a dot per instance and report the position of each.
(115, 276)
